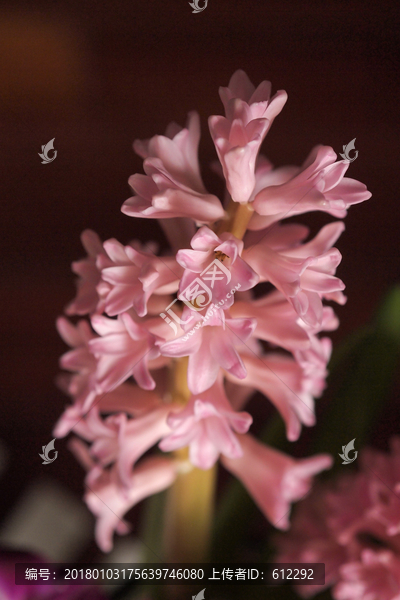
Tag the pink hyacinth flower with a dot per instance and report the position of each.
(238, 136)
(80, 360)
(277, 321)
(124, 440)
(87, 297)
(313, 362)
(109, 502)
(206, 425)
(238, 342)
(304, 273)
(172, 186)
(283, 382)
(273, 479)
(266, 176)
(131, 276)
(231, 271)
(210, 345)
(320, 185)
(123, 350)
(127, 397)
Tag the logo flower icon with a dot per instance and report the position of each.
(196, 7)
(345, 456)
(46, 449)
(45, 151)
(347, 149)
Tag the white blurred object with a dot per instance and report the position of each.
(128, 549)
(48, 520)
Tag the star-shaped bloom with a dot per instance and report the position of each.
(130, 276)
(172, 186)
(123, 349)
(210, 344)
(319, 185)
(207, 426)
(238, 136)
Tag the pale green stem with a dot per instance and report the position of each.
(238, 219)
(190, 501)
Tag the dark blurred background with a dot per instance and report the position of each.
(97, 75)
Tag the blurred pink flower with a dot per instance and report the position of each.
(284, 382)
(117, 438)
(131, 399)
(352, 525)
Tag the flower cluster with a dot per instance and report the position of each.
(234, 340)
(353, 526)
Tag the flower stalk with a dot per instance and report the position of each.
(189, 513)
(190, 500)
(239, 216)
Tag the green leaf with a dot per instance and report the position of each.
(362, 371)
